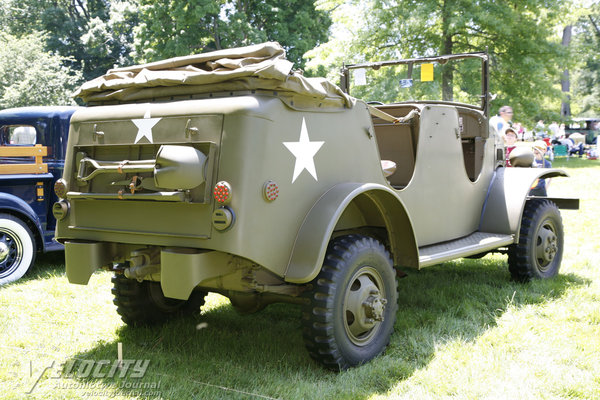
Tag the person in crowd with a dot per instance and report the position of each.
(23, 135)
(540, 128)
(549, 149)
(561, 130)
(540, 186)
(575, 148)
(501, 122)
(510, 139)
(553, 127)
(519, 130)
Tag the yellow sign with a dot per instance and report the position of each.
(426, 72)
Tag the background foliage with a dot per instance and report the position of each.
(31, 76)
(587, 77)
(523, 38)
(176, 28)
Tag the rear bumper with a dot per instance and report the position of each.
(181, 269)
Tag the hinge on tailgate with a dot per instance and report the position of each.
(190, 130)
(97, 134)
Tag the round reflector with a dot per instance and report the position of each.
(271, 190)
(222, 192)
(60, 188)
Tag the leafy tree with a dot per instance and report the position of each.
(31, 76)
(173, 28)
(92, 35)
(526, 56)
(96, 34)
(295, 24)
(179, 27)
(587, 78)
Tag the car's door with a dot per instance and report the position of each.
(444, 203)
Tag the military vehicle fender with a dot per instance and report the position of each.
(376, 204)
(507, 195)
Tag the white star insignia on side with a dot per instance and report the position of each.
(304, 150)
(145, 126)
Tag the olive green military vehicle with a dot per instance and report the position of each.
(231, 173)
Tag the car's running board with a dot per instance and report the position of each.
(476, 243)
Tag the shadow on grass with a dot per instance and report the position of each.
(46, 265)
(262, 355)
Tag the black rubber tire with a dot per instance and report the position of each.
(17, 248)
(538, 253)
(331, 326)
(143, 303)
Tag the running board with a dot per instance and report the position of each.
(475, 243)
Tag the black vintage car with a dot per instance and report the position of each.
(33, 142)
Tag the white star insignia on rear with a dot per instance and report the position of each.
(145, 126)
(304, 150)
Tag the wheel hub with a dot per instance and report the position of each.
(547, 245)
(364, 306)
(4, 251)
(11, 252)
(375, 306)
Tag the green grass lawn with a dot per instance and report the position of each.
(463, 330)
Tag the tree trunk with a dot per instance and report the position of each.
(447, 45)
(216, 33)
(595, 25)
(565, 107)
(447, 72)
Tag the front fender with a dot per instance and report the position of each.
(313, 237)
(18, 207)
(506, 198)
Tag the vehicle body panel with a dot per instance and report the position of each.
(248, 128)
(440, 196)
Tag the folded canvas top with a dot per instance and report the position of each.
(257, 67)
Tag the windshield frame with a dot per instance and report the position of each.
(482, 55)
